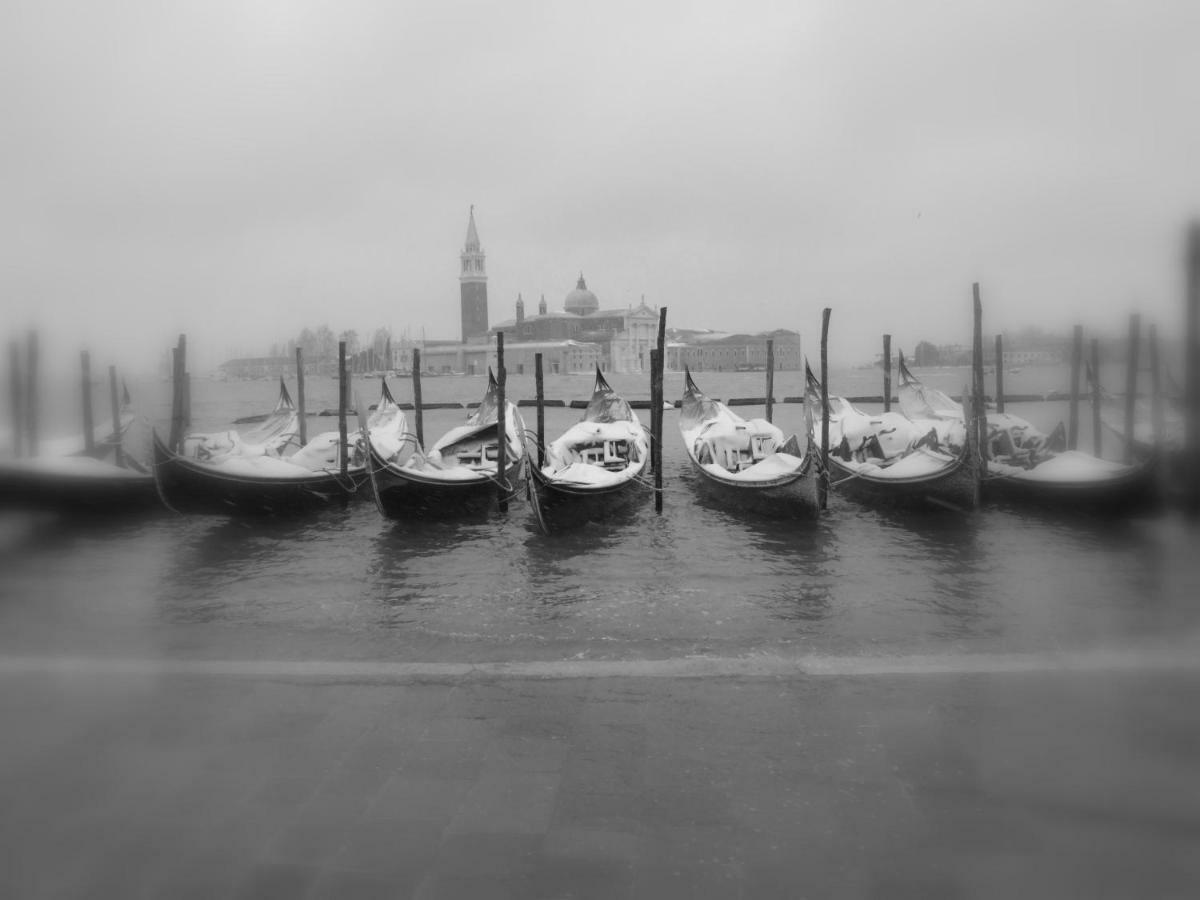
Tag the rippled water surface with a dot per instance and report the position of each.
(344, 583)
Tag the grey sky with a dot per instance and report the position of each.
(239, 170)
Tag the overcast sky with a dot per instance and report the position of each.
(238, 170)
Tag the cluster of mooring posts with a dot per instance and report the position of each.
(1173, 455)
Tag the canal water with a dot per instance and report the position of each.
(697, 581)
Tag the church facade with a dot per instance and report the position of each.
(623, 337)
(583, 335)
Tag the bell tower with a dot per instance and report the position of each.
(472, 281)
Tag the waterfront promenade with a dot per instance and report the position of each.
(951, 776)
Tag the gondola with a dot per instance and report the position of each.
(1025, 466)
(457, 475)
(278, 431)
(262, 484)
(66, 477)
(747, 464)
(592, 470)
(887, 460)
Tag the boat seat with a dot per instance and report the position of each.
(735, 449)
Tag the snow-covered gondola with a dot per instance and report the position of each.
(279, 430)
(457, 475)
(886, 459)
(747, 464)
(592, 470)
(66, 477)
(1027, 466)
(245, 481)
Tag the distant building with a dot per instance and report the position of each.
(1032, 357)
(624, 337)
(582, 335)
(709, 351)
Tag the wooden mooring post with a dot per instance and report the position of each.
(300, 408)
(17, 397)
(887, 373)
(1191, 387)
(978, 424)
(770, 380)
(178, 402)
(1097, 402)
(31, 393)
(115, 400)
(823, 480)
(416, 380)
(1076, 368)
(1158, 414)
(502, 484)
(658, 362)
(999, 373)
(1131, 379)
(343, 394)
(540, 387)
(85, 391)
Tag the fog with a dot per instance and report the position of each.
(242, 170)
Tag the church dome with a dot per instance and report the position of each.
(581, 301)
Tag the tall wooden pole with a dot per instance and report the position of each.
(887, 373)
(85, 390)
(175, 437)
(180, 413)
(656, 402)
(300, 408)
(501, 423)
(823, 481)
(31, 394)
(17, 395)
(416, 380)
(1135, 333)
(539, 385)
(658, 362)
(1076, 368)
(1192, 370)
(770, 380)
(1157, 411)
(999, 373)
(1097, 401)
(978, 410)
(343, 392)
(115, 399)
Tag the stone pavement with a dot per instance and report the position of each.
(141, 783)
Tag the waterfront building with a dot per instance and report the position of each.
(624, 337)
(714, 351)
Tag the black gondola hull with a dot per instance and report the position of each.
(405, 494)
(955, 487)
(793, 496)
(189, 487)
(29, 488)
(1133, 491)
(559, 506)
